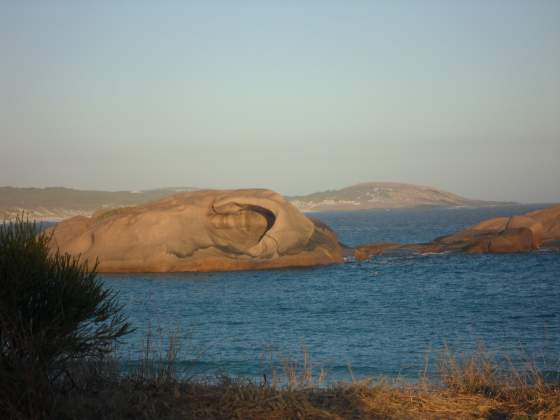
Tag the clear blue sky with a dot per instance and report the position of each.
(296, 96)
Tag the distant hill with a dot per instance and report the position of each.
(59, 203)
(383, 195)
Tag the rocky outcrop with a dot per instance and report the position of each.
(522, 233)
(213, 230)
(364, 252)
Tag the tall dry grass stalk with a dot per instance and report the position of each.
(159, 357)
(283, 371)
(477, 373)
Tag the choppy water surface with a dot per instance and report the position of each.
(380, 316)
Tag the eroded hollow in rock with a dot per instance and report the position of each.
(238, 227)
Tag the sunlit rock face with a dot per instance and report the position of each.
(528, 232)
(521, 233)
(214, 230)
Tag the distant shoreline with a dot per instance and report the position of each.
(58, 203)
(47, 219)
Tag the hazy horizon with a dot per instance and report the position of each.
(180, 187)
(297, 97)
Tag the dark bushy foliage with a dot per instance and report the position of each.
(53, 310)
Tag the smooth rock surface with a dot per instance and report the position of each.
(212, 230)
(528, 232)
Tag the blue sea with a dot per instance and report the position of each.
(387, 316)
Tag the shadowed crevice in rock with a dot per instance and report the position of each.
(243, 219)
(268, 215)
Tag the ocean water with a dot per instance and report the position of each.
(386, 316)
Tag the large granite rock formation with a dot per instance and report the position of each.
(528, 232)
(214, 230)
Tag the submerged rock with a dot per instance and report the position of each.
(213, 230)
(528, 232)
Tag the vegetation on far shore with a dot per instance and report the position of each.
(58, 325)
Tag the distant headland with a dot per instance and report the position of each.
(58, 203)
(384, 195)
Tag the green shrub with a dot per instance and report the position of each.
(53, 311)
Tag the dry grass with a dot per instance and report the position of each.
(241, 399)
(473, 387)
